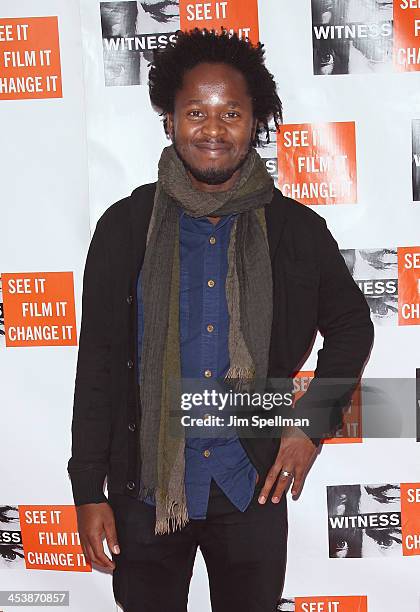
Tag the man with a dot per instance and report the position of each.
(232, 281)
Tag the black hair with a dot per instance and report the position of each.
(201, 45)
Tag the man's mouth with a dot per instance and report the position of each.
(213, 146)
(213, 149)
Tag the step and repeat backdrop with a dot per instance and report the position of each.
(78, 133)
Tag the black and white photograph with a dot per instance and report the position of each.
(286, 605)
(11, 547)
(130, 33)
(268, 152)
(352, 36)
(364, 521)
(376, 273)
(415, 132)
(418, 404)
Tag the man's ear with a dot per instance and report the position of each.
(170, 125)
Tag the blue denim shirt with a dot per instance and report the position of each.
(204, 331)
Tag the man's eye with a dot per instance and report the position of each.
(342, 545)
(232, 114)
(195, 113)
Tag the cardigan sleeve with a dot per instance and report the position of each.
(91, 424)
(344, 322)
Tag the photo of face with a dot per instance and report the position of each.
(11, 548)
(124, 62)
(212, 126)
(376, 273)
(352, 36)
(350, 540)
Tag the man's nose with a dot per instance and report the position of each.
(213, 126)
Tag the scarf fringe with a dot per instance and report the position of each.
(240, 372)
(176, 518)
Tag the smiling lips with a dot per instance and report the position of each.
(216, 148)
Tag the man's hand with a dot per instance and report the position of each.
(93, 520)
(296, 454)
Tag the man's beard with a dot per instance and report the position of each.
(212, 176)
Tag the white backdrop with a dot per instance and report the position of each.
(65, 160)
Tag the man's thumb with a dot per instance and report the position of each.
(111, 539)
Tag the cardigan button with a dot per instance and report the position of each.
(130, 485)
(130, 363)
(129, 299)
(132, 426)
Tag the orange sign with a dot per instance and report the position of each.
(342, 603)
(410, 518)
(240, 16)
(351, 431)
(39, 309)
(29, 58)
(50, 538)
(317, 162)
(407, 35)
(409, 285)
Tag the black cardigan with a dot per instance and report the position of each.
(312, 290)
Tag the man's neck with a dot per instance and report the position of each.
(214, 220)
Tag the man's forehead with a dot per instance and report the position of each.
(214, 98)
(215, 85)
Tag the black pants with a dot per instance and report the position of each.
(244, 552)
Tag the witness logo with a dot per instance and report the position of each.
(240, 16)
(29, 58)
(317, 162)
(390, 281)
(351, 432)
(340, 603)
(130, 33)
(381, 520)
(39, 309)
(40, 537)
(415, 132)
(365, 36)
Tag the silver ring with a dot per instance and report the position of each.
(286, 473)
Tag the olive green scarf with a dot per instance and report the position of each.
(249, 298)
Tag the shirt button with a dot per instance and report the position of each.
(207, 373)
(130, 485)
(206, 453)
(130, 363)
(211, 283)
(212, 240)
(210, 327)
(132, 426)
(129, 299)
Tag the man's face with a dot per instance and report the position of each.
(212, 126)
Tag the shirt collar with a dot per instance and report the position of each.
(202, 223)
